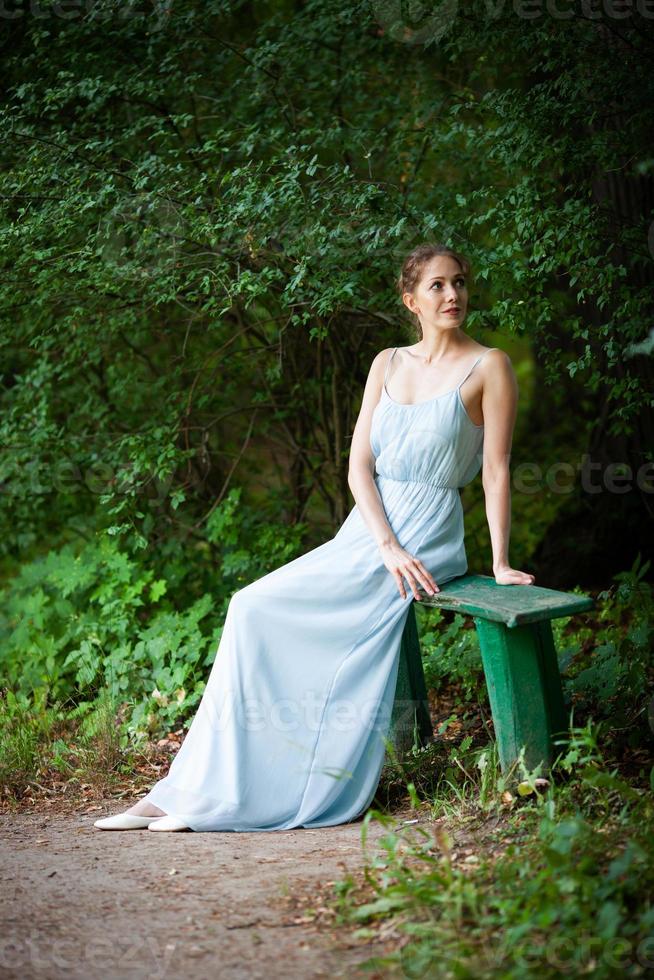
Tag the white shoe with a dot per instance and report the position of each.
(167, 823)
(124, 821)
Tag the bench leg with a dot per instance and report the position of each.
(411, 706)
(524, 688)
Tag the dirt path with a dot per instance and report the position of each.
(79, 902)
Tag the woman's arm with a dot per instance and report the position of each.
(361, 481)
(499, 406)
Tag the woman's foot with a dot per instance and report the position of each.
(143, 809)
(138, 817)
(168, 824)
(125, 821)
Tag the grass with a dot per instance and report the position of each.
(525, 878)
(43, 744)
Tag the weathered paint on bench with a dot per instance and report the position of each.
(513, 605)
(519, 660)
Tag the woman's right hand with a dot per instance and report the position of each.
(402, 566)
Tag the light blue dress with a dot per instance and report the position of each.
(291, 728)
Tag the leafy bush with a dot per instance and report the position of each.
(566, 893)
(81, 620)
(611, 669)
(451, 653)
(78, 620)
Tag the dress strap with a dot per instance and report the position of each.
(475, 364)
(388, 364)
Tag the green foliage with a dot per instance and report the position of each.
(81, 620)
(451, 653)
(246, 543)
(99, 647)
(204, 209)
(565, 893)
(620, 675)
(74, 620)
(39, 742)
(27, 731)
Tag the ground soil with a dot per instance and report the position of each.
(79, 902)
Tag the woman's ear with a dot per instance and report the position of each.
(410, 303)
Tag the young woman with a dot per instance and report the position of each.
(291, 728)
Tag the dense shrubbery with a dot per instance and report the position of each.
(203, 214)
(563, 885)
(93, 618)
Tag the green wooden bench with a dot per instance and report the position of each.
(519, 660)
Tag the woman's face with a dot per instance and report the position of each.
(440, 297)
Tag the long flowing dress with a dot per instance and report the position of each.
(292, 726)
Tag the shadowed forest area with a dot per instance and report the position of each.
(204, 209)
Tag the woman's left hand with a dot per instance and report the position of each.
(511, 576)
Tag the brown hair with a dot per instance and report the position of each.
(412, 270)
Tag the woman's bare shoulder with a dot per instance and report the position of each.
(497, 370)
(381, 359)
(496, 356)
(492, 359)
(384, 354)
